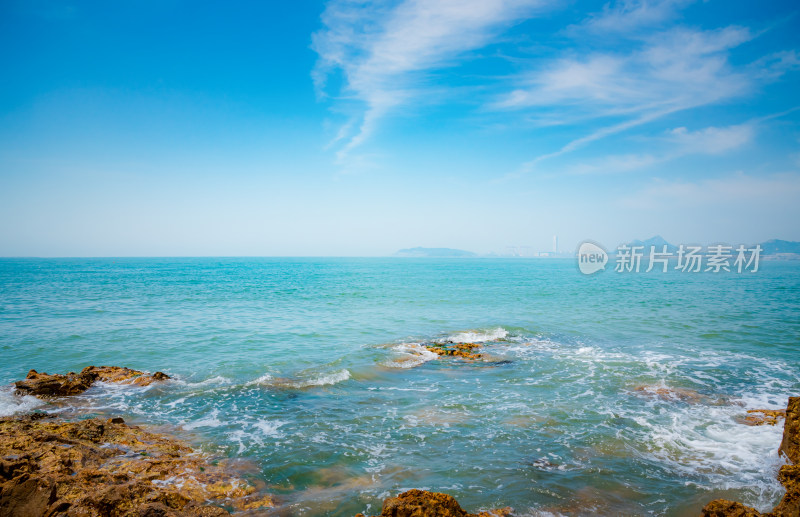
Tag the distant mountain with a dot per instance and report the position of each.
(658, 241)
(434, 253)
(775, 246)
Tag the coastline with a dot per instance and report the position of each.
(104, 466)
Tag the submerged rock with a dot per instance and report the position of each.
(421, 503)
(667, 393)
(789, 476)
(108, 468)
(44, 385)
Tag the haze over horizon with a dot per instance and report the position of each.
(340, 128)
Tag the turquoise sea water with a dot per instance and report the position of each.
(311, 371)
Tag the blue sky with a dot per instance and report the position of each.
(356, 128)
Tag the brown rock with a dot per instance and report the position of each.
(44, 385)
(725, 508)
(764, 416)
(790, 445)
(108, 468)
(26, 496)
(667, 393)
(789, 476)
(464, 350)
(421, 503)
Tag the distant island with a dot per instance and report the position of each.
(774, 249)
(434, 253)
(779, 247)
(658, 241)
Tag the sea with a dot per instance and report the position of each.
(617, 393)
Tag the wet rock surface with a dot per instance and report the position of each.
(789, 475)
(421, 503)
(44, 385)
(94, 467)
(790, 445)
(670, 393)
(465, 350)
(763, 416)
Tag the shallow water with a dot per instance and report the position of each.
(313, 370)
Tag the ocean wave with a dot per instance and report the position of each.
(324, 379)
(11, 404)
(411, 355)
(209, 420)
(705, 445)
(217, 380)
(476, 336)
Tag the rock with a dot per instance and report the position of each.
(790, 445)
(44, 385)
(725, 508)
(789, 475)
(763, 416)
(464, 350)
(108, 468)
(421, 503)
(26, 496)
(667, 393)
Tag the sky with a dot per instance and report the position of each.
(352, 128)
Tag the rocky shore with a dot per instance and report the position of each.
(49, 467)
(97, 467)
(107, 467)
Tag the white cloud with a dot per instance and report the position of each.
(711, 140)
(660, 74)
(612, 164)
(679, 142)
(384, 49)
(631, 15)
(748, 194)
(674, 70)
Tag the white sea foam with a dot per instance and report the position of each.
(729, 455)
(412, 355)
(325, 379)
(477, 336)
(217, 380)
(269, 427)
(264, 379)
(11, 404)
(209, 420)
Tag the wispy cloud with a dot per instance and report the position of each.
(384, 50)
(673, 70)
(661, 74)
(710, 140)
(675, 143)
(631, 15)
